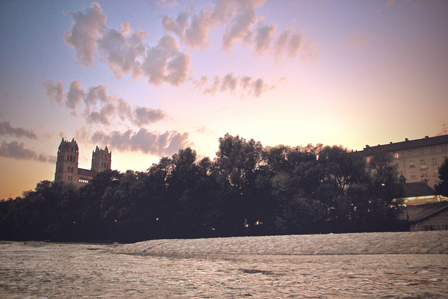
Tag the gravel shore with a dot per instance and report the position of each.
(377, 265)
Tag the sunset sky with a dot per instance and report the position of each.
(147, 78)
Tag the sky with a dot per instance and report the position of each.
(149, 77)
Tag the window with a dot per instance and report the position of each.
(83, 180)
(397, 155)
(368, 160)
(410, 153)
(436, 173)
(412, 175)
(68, 169)
(411, 164)
(434, 161)
(422, 163)
(433, 150)
(422, 152)
(68, 157)
(444, 148)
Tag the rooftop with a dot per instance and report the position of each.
(407, 144)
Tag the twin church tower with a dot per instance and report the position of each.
(67, 169)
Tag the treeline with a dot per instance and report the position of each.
(247, 189)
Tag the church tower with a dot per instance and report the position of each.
(67, 162)
(101, 159)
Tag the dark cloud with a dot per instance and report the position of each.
(193, 29)
(15, 150)
(241, 24)
(164, 63)
(143, 141)
(7, 129)
(263, 37)
(124, 50)
(124, 109)
(229, 83)
(251, 87)
(74, 95)
(96, 93)
(178, 25)
(243, 18)
(201, 82)
(144, 116)
(177, 69)
(214, 87)
(294, 45)
(196, 34)
(245, 82)
(88, 26)
(123, 53)
(55, 92)
(103, 115)
(280, 44)
(289, 43)
(258, 87)
(102, 109)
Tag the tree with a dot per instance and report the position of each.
(237, 164)
(442, 186)
(340, 170)
(376, 201)
(95, 198)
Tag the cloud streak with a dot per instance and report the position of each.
(7, 129)
(144, 141)
(15, 150)
(287, 43)
(243, 85)
(100, 108)
(241, 24)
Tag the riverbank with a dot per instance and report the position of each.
(309, 266)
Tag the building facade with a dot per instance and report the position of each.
(417, 160)
(67, 169)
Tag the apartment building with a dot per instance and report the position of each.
(417, 160)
